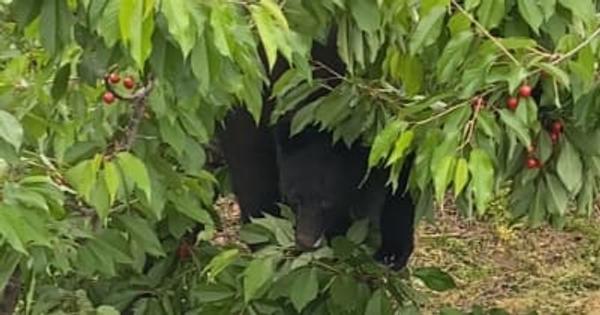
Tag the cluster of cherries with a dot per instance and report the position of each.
(513, 102)
(114, 78)
(555, 131)
(184, 251)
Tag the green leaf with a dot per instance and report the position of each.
(428, 29)
(556, 73)
(344, 292)
(10, 129)
(427, 5)
(490, 13)
(186, 204)
(61, 82)
(548, 7)
(220, 262)
(200, 64)
(143, 234)
(95, 10)
(537, 210)
(107, 310)
(267, 32)
(358, 232)
(30, 198)
(288, 102)
(112, 179)
(8, 264)
(220, 21)
(334, 108)
(401, 146)
(461, 176)
(559, 195)
(472, 4)
(257, 274)
(582, 9)
(273, 31)
(304, 289)
(135, 170)
(25, 11)
(458, 23)
(172, 133)
(303, 118)
(482, 172)
(449, 310)
(435, 279)
(177, 14)
(454, 55)
(136, 22)
(55, 25)
(517, 126)
(282, 229)
(410, 71)
(194, 157)
(108, 24)
(384, 141)
(545, 146)
(112, 246)
(518, 42)
(275, 11)
(531, 13)
(379, 304)
(208, 293)
(366, 14)
(442, 176)
(21, 228)
(569, 167)
(83, 177)
(99, 198)
(515, 77)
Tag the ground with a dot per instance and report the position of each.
(515, 268)
(518, 269)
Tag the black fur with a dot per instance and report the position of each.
(319, 180)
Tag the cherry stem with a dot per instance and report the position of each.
(139, 99)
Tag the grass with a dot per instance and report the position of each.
(518, 269)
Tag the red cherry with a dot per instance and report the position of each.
(108, 97)
(129, 83)
(554, 136)
(533, 163)
(114, 78)
(557, 127)
(525, 90)
(184, 251)
(512, 103)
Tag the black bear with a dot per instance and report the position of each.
(318, 179)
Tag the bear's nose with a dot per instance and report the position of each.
(307, 243)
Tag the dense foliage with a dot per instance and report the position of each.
(104, 177)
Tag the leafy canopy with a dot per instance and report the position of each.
(91, 191)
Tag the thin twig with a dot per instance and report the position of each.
(578, 48)
(486, 33)
(439, 115)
